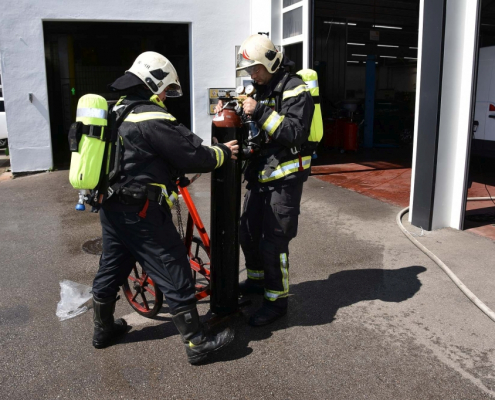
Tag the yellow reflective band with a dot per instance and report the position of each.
(171, 199)
(295, 92)
(220, 151)
(252, 274)
(272, 122)
(285, 272)
(285, 169)
(191, 345)
(146, 116)
(273, 295)
(219, 155)
(216, 155)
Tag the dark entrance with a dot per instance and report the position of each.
(84, 57)
(295, 54)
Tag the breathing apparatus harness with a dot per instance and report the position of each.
(90, 164)
(310, 77)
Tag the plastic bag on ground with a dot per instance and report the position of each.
(73, 295)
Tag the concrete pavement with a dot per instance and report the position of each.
(370, 315)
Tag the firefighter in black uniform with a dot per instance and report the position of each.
(136, 220)
(283, 109)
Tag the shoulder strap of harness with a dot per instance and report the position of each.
(105, 189)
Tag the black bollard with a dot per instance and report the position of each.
(225, 216)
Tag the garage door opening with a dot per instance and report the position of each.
(365, 53)
(84, 57)
(480, 215)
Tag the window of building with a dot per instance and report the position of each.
(288, 3)
(293, 23)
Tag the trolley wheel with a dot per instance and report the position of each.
(142, 294)
(200, 265)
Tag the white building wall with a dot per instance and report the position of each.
(216, 26)
(261, 16)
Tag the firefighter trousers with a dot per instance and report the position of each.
(268, 223)
(152, 241)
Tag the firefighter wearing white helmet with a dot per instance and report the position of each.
(257, 50)
(283, 108)
(158, 73)
(136, 220)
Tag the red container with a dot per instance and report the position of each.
(329, 134)
(350, 136)
(340, 131)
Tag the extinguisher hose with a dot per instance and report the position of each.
(470, 295)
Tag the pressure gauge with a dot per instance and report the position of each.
(250, 90)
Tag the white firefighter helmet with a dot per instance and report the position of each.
(157, 72)
(255, 50)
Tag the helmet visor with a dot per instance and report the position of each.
(244, 66)
(173, 90)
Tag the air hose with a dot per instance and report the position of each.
(470, 295)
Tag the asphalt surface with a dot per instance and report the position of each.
(371, 317)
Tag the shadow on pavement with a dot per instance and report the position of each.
(311, 303)
(317, 302)
(155, 332)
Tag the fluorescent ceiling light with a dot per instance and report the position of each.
(410, 58)
(388, 57)
(356, 44)
(413, 48)
(353, 62)
(386, 45)
(359, 55)
(340, 23)
(386, 27)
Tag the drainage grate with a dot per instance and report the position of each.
(93, 246)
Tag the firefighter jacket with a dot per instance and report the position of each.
(286, 156)
(156, 151)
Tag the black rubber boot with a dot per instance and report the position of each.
(251, 286)
(268, 313)
(197, 344)
(106, 329)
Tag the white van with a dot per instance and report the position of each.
(3, 125)
(484, 112)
